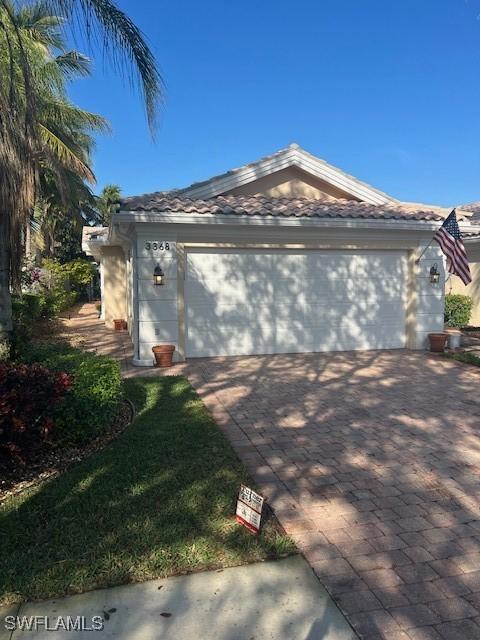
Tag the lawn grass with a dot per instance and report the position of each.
(466, 356)
(157, 501)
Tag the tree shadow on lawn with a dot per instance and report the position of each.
(159, 500)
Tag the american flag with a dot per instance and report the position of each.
(450, 240)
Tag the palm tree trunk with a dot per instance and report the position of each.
(5, 298)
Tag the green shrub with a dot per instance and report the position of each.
(96, 390)
(58, 299)
(458, 309)
(71, 277)
(26, 311)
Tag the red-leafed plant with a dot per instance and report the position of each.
(29, 394)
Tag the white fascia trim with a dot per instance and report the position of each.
(274, 221)
(291, 158)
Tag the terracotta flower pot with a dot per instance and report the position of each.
(163, 354)
(119, 325)
(437, 341)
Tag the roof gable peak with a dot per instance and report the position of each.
(291, 156)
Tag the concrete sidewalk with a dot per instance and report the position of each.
(281, 600)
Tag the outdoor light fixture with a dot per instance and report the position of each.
(434, 274)
(158, 276)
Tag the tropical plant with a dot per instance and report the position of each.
(458, 309)
(24, 142)
(107, 202)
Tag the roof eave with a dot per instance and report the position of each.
(275, 221)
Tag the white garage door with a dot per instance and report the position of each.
(242, 302)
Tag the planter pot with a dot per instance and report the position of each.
(437, 341)
(163, 355)
(119, 325)
(454, 339)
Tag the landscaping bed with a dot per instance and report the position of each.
(53, 458)
(157, 501)
(57, 405)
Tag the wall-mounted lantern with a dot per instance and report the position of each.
(158, 276)
(434, 274)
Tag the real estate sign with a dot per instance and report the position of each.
(249, 509)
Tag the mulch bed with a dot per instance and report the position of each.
(52, 460)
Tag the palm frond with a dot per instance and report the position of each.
(64, 154)
(123, 44)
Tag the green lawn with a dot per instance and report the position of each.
(157, 501)
(466, 356)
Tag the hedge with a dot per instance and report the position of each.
(458, 309)
(97, 389)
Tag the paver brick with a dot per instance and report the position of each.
(379, 560)
(418, 554)
(414, 615)
(378, 578)
(459, 630)
(453, 609)
(423, 592)
(358, 601)
(418, 572)
(374, 622)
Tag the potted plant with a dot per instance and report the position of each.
(437, 341)
(119, 324)
(458, 309)
(163, 354)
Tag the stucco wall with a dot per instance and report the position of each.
(455, 285)
(114, 282)
(157, 305)
(291, 182)
(427, 299)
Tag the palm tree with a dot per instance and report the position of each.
(107, 202)
(23, 141)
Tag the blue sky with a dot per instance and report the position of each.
(386, 90)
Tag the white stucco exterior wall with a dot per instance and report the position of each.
(429, 298)
(157, 305)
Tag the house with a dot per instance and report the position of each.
(286, 254)
(453, 284)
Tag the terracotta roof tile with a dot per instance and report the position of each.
(260, 205)
(92, 233)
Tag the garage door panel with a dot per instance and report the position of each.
(280, 302)
(230, 314)
(340, 290)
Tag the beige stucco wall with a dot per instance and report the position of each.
(455, 285)
(114, 282)
(291, 182)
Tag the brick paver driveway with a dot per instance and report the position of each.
(371, 462)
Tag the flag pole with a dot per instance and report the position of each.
(421, 255)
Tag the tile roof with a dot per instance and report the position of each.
(263, 206)
(93, 233)
(474, 207)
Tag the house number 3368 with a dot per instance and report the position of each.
(157, 246)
